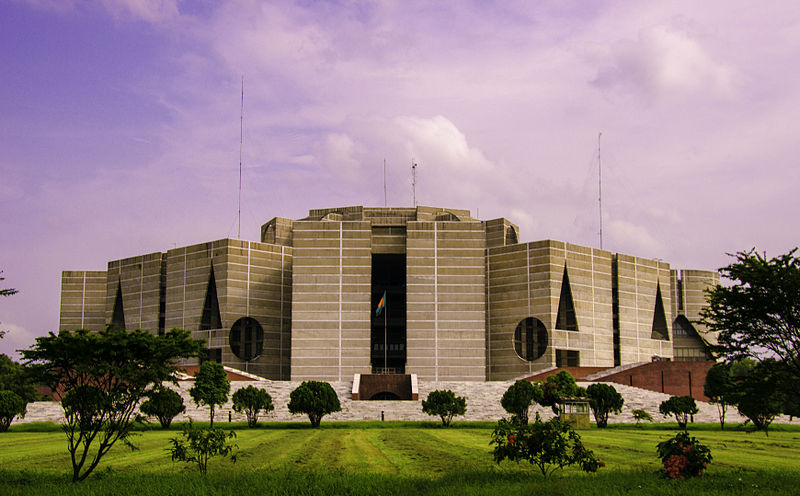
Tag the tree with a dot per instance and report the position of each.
(641, 415)
(200, 445)
(761, 398)
(315, 399)
(720, 389)
(211, 387)
(251, 400)
(445, 404)
(518, 398)
(100, 379)
(604, 399)
(164, 404)
(681, 407)
(547, 445)
(5, 292)
(11, 405)
(758, 315)
(557, 387)
(17, 378)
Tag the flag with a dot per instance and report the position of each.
(381, 305)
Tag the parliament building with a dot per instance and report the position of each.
(464, 300)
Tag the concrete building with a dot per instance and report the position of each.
(464, 299)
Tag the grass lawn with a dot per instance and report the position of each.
(398, 458)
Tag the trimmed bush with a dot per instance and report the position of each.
(445, 404)
(252, 400)
(681, 407)
(11, 405)
(314, 398)
(164, 404)
(604, 399)
(518, 399)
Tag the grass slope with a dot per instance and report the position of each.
(398, 458)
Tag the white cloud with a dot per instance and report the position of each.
(145, 10)
(16, 337)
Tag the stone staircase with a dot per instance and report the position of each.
(483, 403)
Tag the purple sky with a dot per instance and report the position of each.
(119, 124)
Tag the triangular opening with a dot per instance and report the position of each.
(660, 330)
(682, 327)
(566, 308)
(118, 317)
(211, 317)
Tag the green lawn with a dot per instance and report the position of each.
(398, 458)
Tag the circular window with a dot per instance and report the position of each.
(247, 338)
(530, 339)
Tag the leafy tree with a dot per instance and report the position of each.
(758, 315)
(518, 398)
(164, 404)
(211, 387)
(557, 387)
(681, 407)
(100, 379)
(720, 389)
(5, 292)
(445, 404)
(314, 398)
(604, 399)
(251, 400)
(761, 398)
(17, 378)
(200, 445)
(547, 445)
(11, 405)
(640, 416)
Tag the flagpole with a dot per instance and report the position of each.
(385, 334)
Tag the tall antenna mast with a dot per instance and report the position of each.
(384, 183)
(414, 180)
(600, 187)
(241, 134)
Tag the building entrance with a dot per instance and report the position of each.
(388, 336)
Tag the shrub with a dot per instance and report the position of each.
(681, 407)
(315, 399)
(164, 404)
(557, 387)
(518, 398)
(211, 386)
(640, 415)
(604, 399)
(445, 404)
(547, 445)
(251, 400)
(683, 456)
(200, 445)
(11, 405)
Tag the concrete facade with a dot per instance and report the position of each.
(465, 300)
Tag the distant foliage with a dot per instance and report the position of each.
(681, 407)
(445, 404)
(548, 446)
(11, 405)
(211, 387)
(252, 400)
(200, 445)
(17, 378)
(761, 398)
(164, 404)
(683, 456)
(641, 415)
(604, 399)
(314, 398)
(518, 399)
(557, 387)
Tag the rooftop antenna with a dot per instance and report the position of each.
(241, 134)
(600, 187)
(384, 183)
(414, 180)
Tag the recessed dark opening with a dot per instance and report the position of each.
(530, 339)
(385, 395)
(388, 343)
